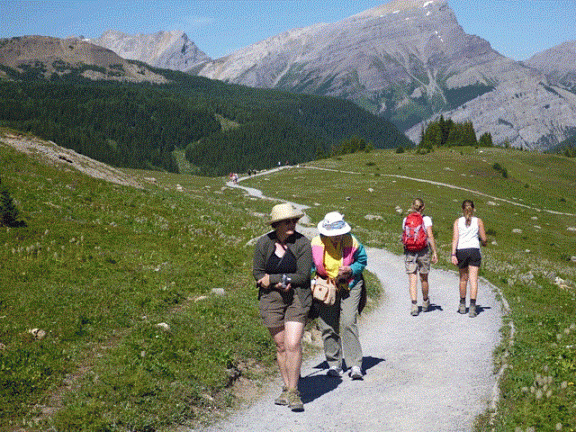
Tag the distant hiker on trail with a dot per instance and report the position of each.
(338, 255)
(418, 239)
(468, 234)
(282, 268)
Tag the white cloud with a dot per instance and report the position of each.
(196, 22)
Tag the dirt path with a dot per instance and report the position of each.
(433, 372)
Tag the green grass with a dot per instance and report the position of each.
(539, 385)
(99, 266)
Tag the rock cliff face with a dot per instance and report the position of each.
(558, 63)
(48, 56)
(409, 60)
(167, 50)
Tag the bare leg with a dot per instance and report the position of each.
(293, 345)
(278, 334)
(425, 285)
(413, 279)
(463, 282)
(473, 277)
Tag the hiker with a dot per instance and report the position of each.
(338, 255)
(282, 268)
(418, 239)
(468, 235)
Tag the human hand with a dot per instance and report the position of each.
(345, 271)
(434, 258)
(281, 287)
(454, 260)
(264, 282)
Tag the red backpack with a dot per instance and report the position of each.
(414, 235)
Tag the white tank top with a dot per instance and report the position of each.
(468, 235)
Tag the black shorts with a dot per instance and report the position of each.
(468, 257)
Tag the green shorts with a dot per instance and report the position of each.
(277, 308)
(417, 262)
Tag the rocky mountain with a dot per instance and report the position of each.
(410, 60)
(558, 64)
(51, 56)
(166, 50)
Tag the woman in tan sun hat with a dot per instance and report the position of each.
(282, 265)
(338, 255)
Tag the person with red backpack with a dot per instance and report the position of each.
(418, 239)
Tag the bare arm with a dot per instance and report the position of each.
(432, 243)
(454, 242)
(482, 232)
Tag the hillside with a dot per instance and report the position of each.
(96, 269)
(144, 125)
(410, 61)
(48, 57)
(116, 276)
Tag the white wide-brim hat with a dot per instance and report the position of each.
(284, 211)
(333, 224)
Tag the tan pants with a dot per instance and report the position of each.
(339, 327)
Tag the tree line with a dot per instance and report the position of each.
(448, 133)
(141, 125)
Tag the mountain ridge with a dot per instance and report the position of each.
(164, 49)
(53, 56)
(407, 61)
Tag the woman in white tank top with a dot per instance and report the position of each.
(468, 234)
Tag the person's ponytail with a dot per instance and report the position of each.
(468, 211)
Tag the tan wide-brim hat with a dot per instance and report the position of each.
(333, 224)
(284, 211)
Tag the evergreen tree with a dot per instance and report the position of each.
(8, 210)
(432, 136)
(486, 140)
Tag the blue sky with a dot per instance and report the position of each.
(515, 28)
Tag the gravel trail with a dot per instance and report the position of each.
(433, 372)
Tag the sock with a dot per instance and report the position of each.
(414, 301)
(462, 300)
(472, 302)
(425, 299)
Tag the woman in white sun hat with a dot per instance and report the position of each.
(338, 255)
(282, 267)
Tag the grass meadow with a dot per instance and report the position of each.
(145, 308)
(530, 217)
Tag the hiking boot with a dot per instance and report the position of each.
(283, 398)
(334, 372)
(414, 310)
(356, 373)
(425, 305)
(294, 401)
(462, 308)
(472, 313)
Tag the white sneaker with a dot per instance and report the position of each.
(356, 373)
(425, 305)
(334, 371)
